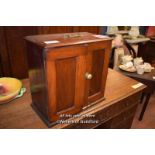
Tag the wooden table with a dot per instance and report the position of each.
(147, 79)
(116, 111)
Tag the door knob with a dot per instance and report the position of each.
(88, 76)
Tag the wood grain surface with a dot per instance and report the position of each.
(19, 113)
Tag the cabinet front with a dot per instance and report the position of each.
(65, 70)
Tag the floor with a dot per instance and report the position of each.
(148, 121)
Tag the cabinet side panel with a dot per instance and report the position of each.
(66, 73)
(37, 77)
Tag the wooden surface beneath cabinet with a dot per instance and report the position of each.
(116, 111)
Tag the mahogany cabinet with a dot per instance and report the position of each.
(68, 76)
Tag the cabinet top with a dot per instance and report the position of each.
(65, 39)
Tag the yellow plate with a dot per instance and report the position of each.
(12, 86)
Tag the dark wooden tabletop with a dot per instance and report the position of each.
(146, 76)
(19, 113)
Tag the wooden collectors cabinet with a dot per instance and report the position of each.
(68, 76)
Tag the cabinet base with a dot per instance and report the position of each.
(44, 119)
(93, 103)
(50, 124)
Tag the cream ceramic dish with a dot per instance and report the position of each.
(127, 69)
(10, 87)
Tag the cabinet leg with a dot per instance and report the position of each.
(144, 106)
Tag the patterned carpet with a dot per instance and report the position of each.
(148, 121)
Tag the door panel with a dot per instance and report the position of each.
(66, 80)
(96, 70)
(98, 67)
